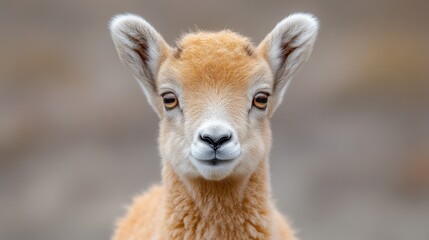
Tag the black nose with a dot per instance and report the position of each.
(215, 142)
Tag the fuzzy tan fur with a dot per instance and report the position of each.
(218, 210)
(215, 77)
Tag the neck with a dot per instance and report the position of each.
(235, 208)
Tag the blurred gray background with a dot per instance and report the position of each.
(350, 158)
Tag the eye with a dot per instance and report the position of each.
(170, 100)
(261, 100)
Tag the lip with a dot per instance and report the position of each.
(215, 162)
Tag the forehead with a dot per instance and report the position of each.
(214, 60)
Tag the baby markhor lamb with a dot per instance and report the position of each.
(215, 93)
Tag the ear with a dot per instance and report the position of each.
(142, 49)
(286, 48)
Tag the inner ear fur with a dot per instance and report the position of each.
(142, 49)
(286, 48)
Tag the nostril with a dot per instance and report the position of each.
(215, 144)
(207, 139)
(223, 139)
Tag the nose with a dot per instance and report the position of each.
(215, 135)
(215, 142)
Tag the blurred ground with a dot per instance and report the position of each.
(351, 142)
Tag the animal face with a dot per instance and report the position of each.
(218, 124)
(214, 92)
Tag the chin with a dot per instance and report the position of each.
(215, 170)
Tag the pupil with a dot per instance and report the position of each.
(262, 100)
(169, 100)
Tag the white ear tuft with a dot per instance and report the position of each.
(141, 48)
(287, 47)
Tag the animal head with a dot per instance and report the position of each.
(215, 92)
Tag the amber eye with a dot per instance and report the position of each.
(170, 100)
(260, 100)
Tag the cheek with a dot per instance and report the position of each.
(256, 136)
(174, 146)
(170, 129)
(251, 124)
(175, 132)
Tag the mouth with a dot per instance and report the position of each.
(215, 162)
(214, 168)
